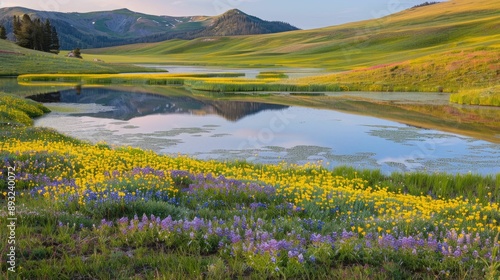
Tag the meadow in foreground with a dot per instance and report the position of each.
(93, 211)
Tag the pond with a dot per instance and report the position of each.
(250, 73)
(178, 121)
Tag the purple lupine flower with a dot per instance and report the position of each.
(432, 243)
(301, 258)
(346, 234)
(167, 223)
(264, 236)
(408, 242)
(316, 238)
(198, 223)
(420, 242)
(461, 239)
(123, 220)
(140, 226)
(235, 238)
(249, 234)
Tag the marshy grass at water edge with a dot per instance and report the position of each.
(117, 213)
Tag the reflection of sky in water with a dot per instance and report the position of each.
(294, 134)
(248, 72)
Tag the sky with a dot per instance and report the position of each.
(304, 14)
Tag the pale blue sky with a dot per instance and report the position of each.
(303, 14)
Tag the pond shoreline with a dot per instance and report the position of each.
(179, 121)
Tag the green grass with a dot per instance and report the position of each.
(445, 72)
(403, 36)
(449, 47)
(487, 97)
(16, 60)
(271, 75)
(15, 111)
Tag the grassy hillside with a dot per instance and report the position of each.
(16, 60)
(458, 24)
(448, 71)
(448, 47)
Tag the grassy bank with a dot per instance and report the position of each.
(112, 213)
(446, 72)
(16, 60)
(489, 96)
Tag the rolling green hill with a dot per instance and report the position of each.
(451, 47)
(15, 60)
(413, 33)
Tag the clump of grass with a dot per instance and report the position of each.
(271, 75)
(19, 111)
(486, 96)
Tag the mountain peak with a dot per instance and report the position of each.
(124, 10)
(234, 12)
(235, 22)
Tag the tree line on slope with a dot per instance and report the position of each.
(33, 34)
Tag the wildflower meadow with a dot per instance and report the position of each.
(92, 211)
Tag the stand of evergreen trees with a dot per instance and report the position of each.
(35, 34)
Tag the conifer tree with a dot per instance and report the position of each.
(54, 46)
(47, 36)
(25, 34)
(37, 35)
(3, 32)
(16, 23)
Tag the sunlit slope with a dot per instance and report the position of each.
(414, 33)
(15, 60)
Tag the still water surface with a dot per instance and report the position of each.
(261, 133)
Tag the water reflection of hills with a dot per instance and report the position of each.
(128, 105)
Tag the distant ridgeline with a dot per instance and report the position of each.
(120, 27)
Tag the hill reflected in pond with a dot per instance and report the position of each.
(123, 105)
